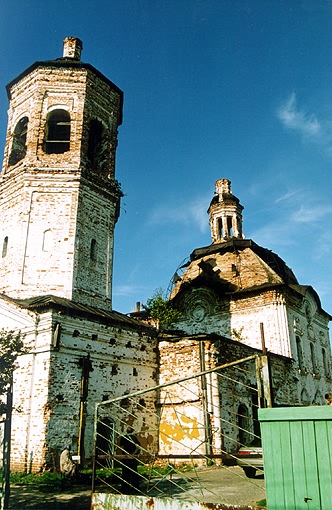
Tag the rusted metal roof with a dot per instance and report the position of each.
(269, 257)
(68, 307)
(64, 62)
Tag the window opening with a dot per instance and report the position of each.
(325, 363)
(313, 358)
(93, 250)
(243, 424)
(47, 240)
(19, 147)
(220, 228)
(57, 132)
(305, 399)
(229, 226)
(318, 398)
(239, 226)
(4, 247)
(96, 144)
(299, 352)
(105, 440)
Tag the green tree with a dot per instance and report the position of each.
(161, 310)
(11, 346)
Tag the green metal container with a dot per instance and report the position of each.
(297, 446)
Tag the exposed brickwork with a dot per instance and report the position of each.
(238, 290)
(47, 388)
(59, 202)
(54, 205)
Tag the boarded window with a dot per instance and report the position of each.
(19, 147)
(57, 132)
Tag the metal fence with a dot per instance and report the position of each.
(159, 442)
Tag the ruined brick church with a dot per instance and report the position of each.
(59, 203)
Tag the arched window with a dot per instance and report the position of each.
(96, 144)
(325, 363)
(4, 247)
(19, 147)
(318, 399)
(229, 226)
(57, 132)
(47, 240)
(220, 228)
(299, 353)
(305, 399)
(93, 250)
(313, 358)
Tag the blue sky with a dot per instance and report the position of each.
(237, 89)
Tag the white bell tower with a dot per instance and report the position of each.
(225, 213)
(59, 200)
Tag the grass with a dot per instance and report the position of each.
(40, 479)
(261, 503)
(49, 479)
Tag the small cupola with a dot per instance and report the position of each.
(225, 213)
(72, 47)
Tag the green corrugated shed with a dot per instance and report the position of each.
(297, 446)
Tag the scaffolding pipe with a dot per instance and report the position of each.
(177, 381)
(207, 424)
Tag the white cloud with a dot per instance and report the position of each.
(289, 195)
(307, 214)
(187, 213)
(298, 215)
(273, 234)
(125, 290)
(293, 118)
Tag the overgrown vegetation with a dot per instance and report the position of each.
(11, 346)
(161, 310)
(53, 480)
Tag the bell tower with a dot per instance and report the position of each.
(225, 213)
(59, 200)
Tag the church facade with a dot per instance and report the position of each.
(237, 299)
(59, 203)
(236, 289)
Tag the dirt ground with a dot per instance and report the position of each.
(76, 497)
(224, 485)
